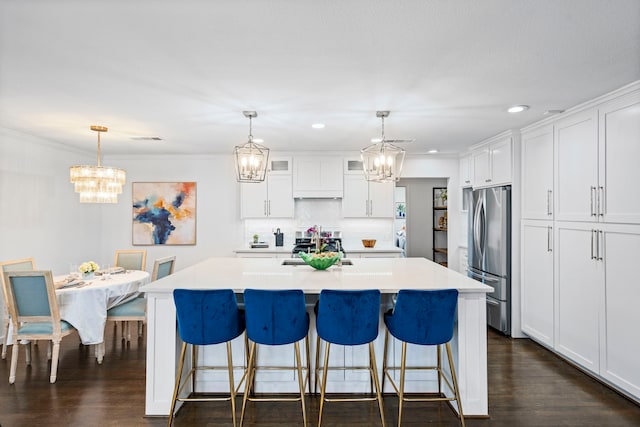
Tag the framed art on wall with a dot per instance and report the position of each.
(164, 213)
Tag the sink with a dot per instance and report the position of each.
(299, 261)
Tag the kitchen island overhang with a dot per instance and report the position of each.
(386, 274)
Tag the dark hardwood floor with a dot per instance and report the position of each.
(528, 386)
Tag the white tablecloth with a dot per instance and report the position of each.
(86, 307)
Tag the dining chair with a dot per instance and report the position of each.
(206, 317)
(33, 306)
(423, 318)
(25, 264)
(163, 267)
(276, 318)
(131, 259)
(347, 318)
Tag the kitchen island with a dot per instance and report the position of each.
(389, 275)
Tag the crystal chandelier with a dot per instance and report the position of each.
(382, 161)
(97, 184)
(251, 158)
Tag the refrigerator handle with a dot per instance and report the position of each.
(476, 227)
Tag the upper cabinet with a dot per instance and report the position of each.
(363, 199)
(576, 154)
(619, 151)
(537, 174)
(491, 163)
(272, 197)
(596, 153)
(317, 177)
(466, 171)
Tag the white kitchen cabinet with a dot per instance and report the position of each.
(317, 176)
(619, 151)
(270, 198)
(596, 162)
(492, 163)
(579, 279)
(537, 290)
(620, 340)
(363, 199)
(466, 173)
(537, 174)
(576, 167)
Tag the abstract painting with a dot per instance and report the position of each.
(164, 213)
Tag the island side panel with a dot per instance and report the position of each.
(470, 353)
(162, 353)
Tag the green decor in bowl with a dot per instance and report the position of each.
(322, 260)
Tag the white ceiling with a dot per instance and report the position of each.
(185, 70)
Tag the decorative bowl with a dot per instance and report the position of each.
(369, 243)
(322, 260)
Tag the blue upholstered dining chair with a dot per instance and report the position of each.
(136, 309)
(423, 318)
(163, 267)
(347, 318)
(31, 298)
(276, 317)
(133, 259)
(25, 264)
(206, 317)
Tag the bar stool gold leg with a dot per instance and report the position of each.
(374, 372)
(384, 359)
(177, 386)
(249, 382)
(455, 383)
(306, 341)
(403, 365)
(324, 380)
(300, 382)
(317, 369)
(232, 386)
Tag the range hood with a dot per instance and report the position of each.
(317, 177)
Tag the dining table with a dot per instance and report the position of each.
(84, 302)
(85, 306)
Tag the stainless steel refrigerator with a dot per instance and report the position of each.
(489, 250)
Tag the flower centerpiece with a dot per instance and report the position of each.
(88, 269)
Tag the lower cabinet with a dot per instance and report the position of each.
(595, 300)
(580, 283)
(537, 291)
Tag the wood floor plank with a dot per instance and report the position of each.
(528, 386)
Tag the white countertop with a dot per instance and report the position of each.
(387, 274)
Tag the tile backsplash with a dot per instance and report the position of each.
(326, 213)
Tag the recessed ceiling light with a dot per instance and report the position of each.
(548, 112)
(146, 138)
(432, 151)
(376, 140)
(318, 125)
(518, 108)
(258, 140)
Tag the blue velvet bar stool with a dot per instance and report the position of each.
(276, 317)
(347, 318)
(423, 318)
(206, 317)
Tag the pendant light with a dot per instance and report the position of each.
(382, 161)
(251, 158)
(97, 184)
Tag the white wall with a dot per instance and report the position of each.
(40, 215)
(219, 228)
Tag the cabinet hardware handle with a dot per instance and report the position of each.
(601, 201)
(264, 207)
(467, 182)
(549, 201)
(593, 189)
(487, 180)
(600, 243)
(592, 252)
(269, 207)
(549, 232)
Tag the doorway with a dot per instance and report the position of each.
(419, 214)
